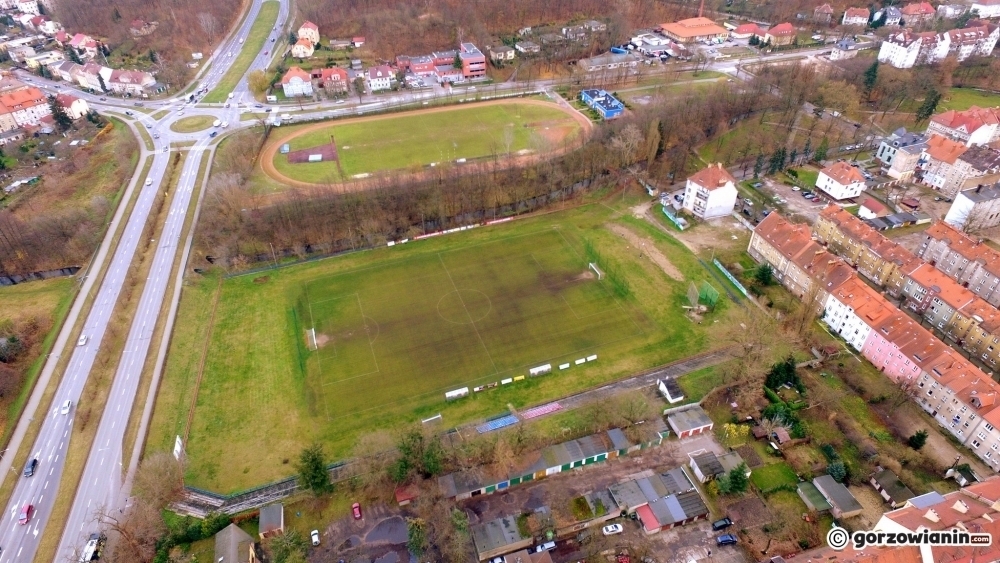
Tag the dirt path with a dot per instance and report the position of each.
(648, 248)
(908, 419)
(267, 154)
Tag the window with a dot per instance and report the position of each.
(989, 427)
(975, 444)
(995, 446)
(964, 409)
(988, 455)
(981, 435)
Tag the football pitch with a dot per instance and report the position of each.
(419, 138)
(465, 317)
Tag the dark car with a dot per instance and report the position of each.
(727, 539)
(721, 524)
(30, 468)
(213, 133)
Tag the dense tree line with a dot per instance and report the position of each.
(240, 225)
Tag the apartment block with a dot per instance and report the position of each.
(964, 259)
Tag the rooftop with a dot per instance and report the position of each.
(843, 173)
(689, 419)
(968, 120)
(693, 27)
(982, 158)
(712, 177)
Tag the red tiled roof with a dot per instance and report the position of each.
(309, 25)
(917, 9)
(873, 205)
(857, 13)
(748, 29)
(781, 30)
(949, 290)
(712, 177)
(944, 149)
(294, 72)
(824, 9)
(965, 246)
(970, 120)
(325, 74)
(843, 173)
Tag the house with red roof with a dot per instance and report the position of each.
(85, 45)
(841, 181)
(917, 13)
(333, 80)
(823, 13)
(747, 31)
(964, 259)
(308, 30)
(781, 34)
(296, 83)
(871, 208)
(710, 192)
(974, 126)
(75, 107)
(302, 49)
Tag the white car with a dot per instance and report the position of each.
(612, 529)
(230, 95)
(66, 406)
(149, 181)
(82, 341)
(315, 537)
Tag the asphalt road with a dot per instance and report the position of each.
(103, 483)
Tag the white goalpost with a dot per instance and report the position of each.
(600, 274)
(313, 332)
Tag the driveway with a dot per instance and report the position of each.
(794, 204)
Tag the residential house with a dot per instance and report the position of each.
(27, 107)
(710, 192)
(799, 263)
(917, 12)
(595, 26)
(976, 38)
(45, 58)
(966, 260)
(498, 537)
(842, 502)
(856, 16)
(379, 78)
(891, 488)
(21, 52)
(823, 13)
(8, 127)
(296, 83)
(986, 8)
(310, 31)
(331, 79)
(233, 545)
(693, 30)
(603, 103)
(893, 16)
(853, 308)
(45, 25)
(132, 82)
(954, 167)
(871, 208)
(272, 520)
(527, 47)
(473, 61)
(890, 146)
(357, 41)
(92, 76)
(845, 48)
(302, 49)
(748, 30)
(976, 208)
(574, 32)
(904, 49)
(85, 45)
(951, 11)
(501, 53)
(974, 126)
(28, 7)
(75, 107)
(690, 422)
(607, 61)
(841, 181)
(781, 34)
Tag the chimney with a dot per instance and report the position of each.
(979, 188)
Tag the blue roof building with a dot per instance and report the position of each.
(604, 103)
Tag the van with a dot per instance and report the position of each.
(286, 117)
(272, 98)
(549, 546)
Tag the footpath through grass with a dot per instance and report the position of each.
(240, 62)
(397, 327)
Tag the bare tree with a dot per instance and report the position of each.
(373, 453)
(209, 25)
(160, 480)
(132, 532)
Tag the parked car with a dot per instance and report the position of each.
(315, 537)
(747, 201)
(612, 529)
(31, 466)
(356, 509)
(721, 524)
(727, 539)
(548, 546)
(26, 512)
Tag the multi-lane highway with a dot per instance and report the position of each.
(103, 482)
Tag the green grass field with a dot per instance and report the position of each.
(240, 62)
(192, 124)
(408, 140)
(964, 98)
(398, 327)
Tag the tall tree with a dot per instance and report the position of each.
(930, 104)
(313, 474)
(870, 79)
(63, 120)
(758, 165)
(821, 150)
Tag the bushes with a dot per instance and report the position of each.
(189, 530)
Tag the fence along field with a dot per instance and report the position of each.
(420, 327)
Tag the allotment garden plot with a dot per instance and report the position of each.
(420, 327)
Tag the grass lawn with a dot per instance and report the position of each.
(964, 98)
(771, 477)
(192, 124)
(251, 47)
(806, 176)
(398, 327)
(697, 384)
(403, 141)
